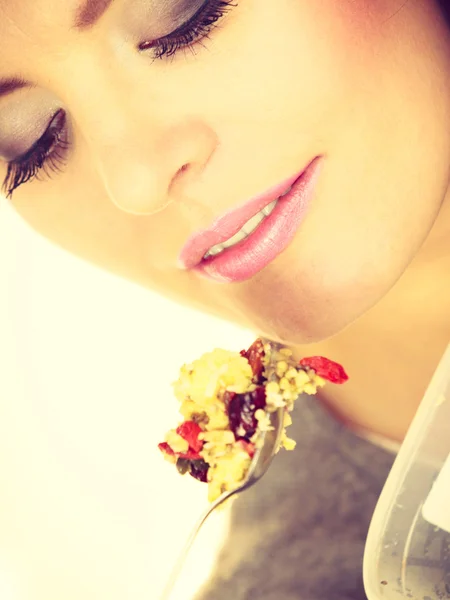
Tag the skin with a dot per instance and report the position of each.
(160, 149)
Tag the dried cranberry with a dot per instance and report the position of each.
(166, 449)
(325, 368)
(255, 355)
(241, 412)
(189, 431)
(199, 470)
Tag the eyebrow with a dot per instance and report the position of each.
(91, 11)
(12, 84)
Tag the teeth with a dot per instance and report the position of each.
(215, 250)
(243, 233)
(268, 209)
(253, 223)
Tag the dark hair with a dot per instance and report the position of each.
(445, 5)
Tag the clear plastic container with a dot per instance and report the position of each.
(408, 547)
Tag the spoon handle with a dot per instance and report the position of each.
(178, 566)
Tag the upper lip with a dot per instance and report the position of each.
(227, 225)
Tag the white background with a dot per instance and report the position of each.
(88, 509)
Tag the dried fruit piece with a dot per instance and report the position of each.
(189, 431)
(255, 356)
(199, 470)
(183, 466)
(166, 449)
(325, 368)
(241, 412)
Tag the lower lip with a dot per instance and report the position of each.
(270, 238)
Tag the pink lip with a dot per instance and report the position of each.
(271, 237)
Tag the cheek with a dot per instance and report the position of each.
(306, 56)
(358, 21)
(80, 220)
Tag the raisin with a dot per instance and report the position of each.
(183, 466)
(199, 470)
(241, 412)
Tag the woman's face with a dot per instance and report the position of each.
(143, 144)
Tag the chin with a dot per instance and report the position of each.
(294, 316)
(296, 323)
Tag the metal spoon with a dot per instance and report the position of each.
(267, 448)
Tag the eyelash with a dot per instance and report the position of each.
(48, 155)
(196, 29)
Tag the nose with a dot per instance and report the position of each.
(144, 169)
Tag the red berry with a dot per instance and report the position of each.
(329, 370)
(255, 355)
(190, 431)
(166, 449)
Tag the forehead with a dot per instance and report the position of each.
(24, 15)
(28, 15)
(30, 30)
